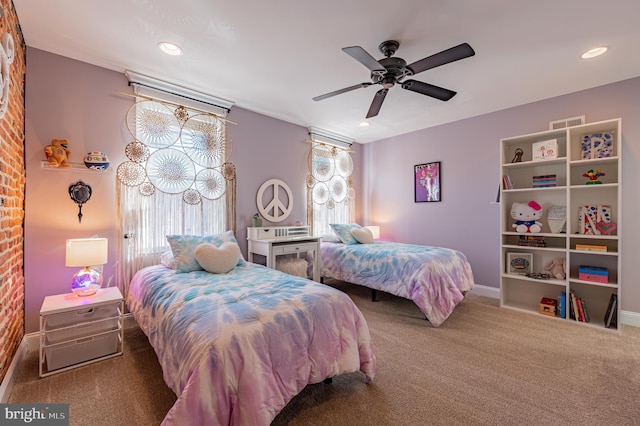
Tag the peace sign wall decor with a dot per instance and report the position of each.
(280, 205)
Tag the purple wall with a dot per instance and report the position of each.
(77, 101)
(468, 217)
(266, 148)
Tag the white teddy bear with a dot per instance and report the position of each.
(526, 217)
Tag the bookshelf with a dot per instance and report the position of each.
(583, 179)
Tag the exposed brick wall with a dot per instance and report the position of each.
(12, 183)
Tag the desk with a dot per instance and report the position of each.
(273, 247)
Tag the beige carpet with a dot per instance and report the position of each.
(484, 365)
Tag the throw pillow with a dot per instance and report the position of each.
(343, 231)
(218, 260)
(183, 248)
(362, 235)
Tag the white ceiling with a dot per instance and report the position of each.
(273, 57)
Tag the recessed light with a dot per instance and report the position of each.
(596, 51)
(364, 124)
(170, 48)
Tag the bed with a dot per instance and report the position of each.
(434, 278)
(236, 347)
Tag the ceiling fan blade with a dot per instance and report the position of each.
(337, 92)
(455, 53)
(374, 109)
(428, 89)
(362, 56)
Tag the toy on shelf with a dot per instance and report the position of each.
(58, 153)
(557, 267)
(594, 176)
(526, 217)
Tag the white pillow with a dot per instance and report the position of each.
(331, 238)
(362, 235)
(218, 260)
(167, 260)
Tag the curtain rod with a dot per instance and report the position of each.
(178, 94)
(329, 137)
(151, 98)
(328, 143)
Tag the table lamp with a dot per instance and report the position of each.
(86, 252)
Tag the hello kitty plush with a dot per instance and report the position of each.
(526, 216)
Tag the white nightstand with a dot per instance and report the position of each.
(79, 330)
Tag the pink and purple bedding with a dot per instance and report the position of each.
(435, 278)
(237, 347)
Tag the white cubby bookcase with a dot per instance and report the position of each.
(571, 190)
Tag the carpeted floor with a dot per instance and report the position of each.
(484, 365)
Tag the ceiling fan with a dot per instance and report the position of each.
(391, 70)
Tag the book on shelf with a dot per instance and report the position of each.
(532, 241)
(544, 181)
(580, 309)
(591, 247)
(584, 310)
(562, 303)
(574, 306)
(611, 317)
(506, 182)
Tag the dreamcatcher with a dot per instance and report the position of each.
(176, 152)
(330, 175)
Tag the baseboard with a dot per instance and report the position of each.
(630, 318)
(486, 291)
(12, 372)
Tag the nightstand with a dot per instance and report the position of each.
(79, 330)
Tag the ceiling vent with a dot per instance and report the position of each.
(567, 122)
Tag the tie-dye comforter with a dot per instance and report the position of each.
(435, 278)
(236, 347)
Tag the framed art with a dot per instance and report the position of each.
(427, 182)
(519, 263)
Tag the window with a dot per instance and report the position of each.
(330, 194)
(178, 180)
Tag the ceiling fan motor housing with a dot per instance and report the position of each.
(395, 70)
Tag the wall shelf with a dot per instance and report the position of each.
(75, 167)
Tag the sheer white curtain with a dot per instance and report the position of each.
(178, 180)
(330, 194)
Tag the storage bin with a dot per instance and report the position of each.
(81, 350)
(66, 319)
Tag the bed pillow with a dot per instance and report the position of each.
(183, 248)
(343, 231)
(331, 238)
(218, 260)
(167, 260)
(362, 235)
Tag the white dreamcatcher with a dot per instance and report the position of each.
(176, 152)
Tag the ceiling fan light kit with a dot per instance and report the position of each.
(392, 70)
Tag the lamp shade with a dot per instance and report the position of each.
(86, 251)
(375, 231)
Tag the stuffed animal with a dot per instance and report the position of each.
(526, 216)
(557, 268)
(58, 153)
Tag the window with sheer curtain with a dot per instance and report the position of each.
(177, 180)
(330, 194)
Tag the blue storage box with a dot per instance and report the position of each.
(593, 273)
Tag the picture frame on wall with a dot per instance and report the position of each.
(427, 184)
(519, 263)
